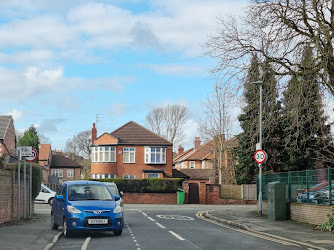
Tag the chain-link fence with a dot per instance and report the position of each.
(308, 186)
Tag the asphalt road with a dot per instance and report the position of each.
(163, 227)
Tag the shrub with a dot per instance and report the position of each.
(149, 185)
(329, 225)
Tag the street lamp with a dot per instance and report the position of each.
(260, 84)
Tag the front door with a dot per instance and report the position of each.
(193, 193)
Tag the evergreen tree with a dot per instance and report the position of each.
(29, 138)
(307, 137)
(271, 127)
(246, 168)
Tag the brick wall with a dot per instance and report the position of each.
(9, 142)
(150, 198)
(8, 194)
(307, 213)
(313, 214)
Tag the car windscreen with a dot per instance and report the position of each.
(79, 192)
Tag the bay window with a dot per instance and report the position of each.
(104, 154)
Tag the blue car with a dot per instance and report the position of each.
(86, 206)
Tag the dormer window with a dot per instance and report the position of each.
(155, 155)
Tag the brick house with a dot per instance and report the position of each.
(198, 162)
(44, 160)
(7, 136)
(131, 151)
(64, 168)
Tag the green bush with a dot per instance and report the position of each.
(149, 185)
(329, 225)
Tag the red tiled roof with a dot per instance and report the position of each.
(134, 134)
(44, 152)
(203, 152)
(183, 156)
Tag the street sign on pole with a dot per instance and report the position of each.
(260, 156)
(25, 151)
(33, 156)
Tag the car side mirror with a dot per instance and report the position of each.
(59, 198)
(121, 193)
(117, 197)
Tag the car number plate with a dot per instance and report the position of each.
(97, 221)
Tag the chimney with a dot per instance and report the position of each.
(197, 143)
(180, 150)
(94, 133)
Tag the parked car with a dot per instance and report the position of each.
(322, 196)
(302, 193)
(46, 195)
(86, 206)
(114, 191)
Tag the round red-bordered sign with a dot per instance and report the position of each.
(33, 157)
(260, 156)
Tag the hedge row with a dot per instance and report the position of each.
(150, 185)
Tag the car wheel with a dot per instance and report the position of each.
(53, 224)
(66, 232)
(118, 232)
(50, 201)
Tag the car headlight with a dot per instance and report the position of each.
(118, 209)
(73, 210)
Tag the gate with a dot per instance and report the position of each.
(193, 193)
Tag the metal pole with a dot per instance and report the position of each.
(30, 190)
(25, 189)
(18, 187)
(260, 164)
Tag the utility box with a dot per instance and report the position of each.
(276, 201)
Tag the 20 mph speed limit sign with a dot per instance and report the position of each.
(260, 156)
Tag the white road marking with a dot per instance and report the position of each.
(160, 225)
(176, 235)
(85, 244)
(55, 239)
(175, 217)
(151, 219)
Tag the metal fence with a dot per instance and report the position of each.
(308, 186)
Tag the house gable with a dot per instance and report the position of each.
(106, 139)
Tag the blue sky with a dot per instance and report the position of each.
(63, 62)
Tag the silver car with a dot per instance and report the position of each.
(114, 190)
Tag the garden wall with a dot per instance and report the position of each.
(149, 198)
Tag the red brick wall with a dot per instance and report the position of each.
(9, 141)
(8, 194)
(150, 198)
(77, 173)
(119, 168)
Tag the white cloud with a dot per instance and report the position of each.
(17, 114)
(190, 132)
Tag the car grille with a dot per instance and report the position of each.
(97, 225)
(97, 211)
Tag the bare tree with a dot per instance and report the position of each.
(80, 144)
(277, 31)
(43, 139)
(216, 125)
(168, 121)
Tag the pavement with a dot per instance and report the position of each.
(31, 234)
(246, 218)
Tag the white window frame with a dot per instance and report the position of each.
(128, 152)
(70, 172)
(192, 163)
(99, 154)
(151, 152)
(129, 176)
(156, 175)
(57, 172)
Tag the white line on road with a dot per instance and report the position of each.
(55, 238)
(85, 244)
(160, 225)
(151, 219)
(176, 235)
